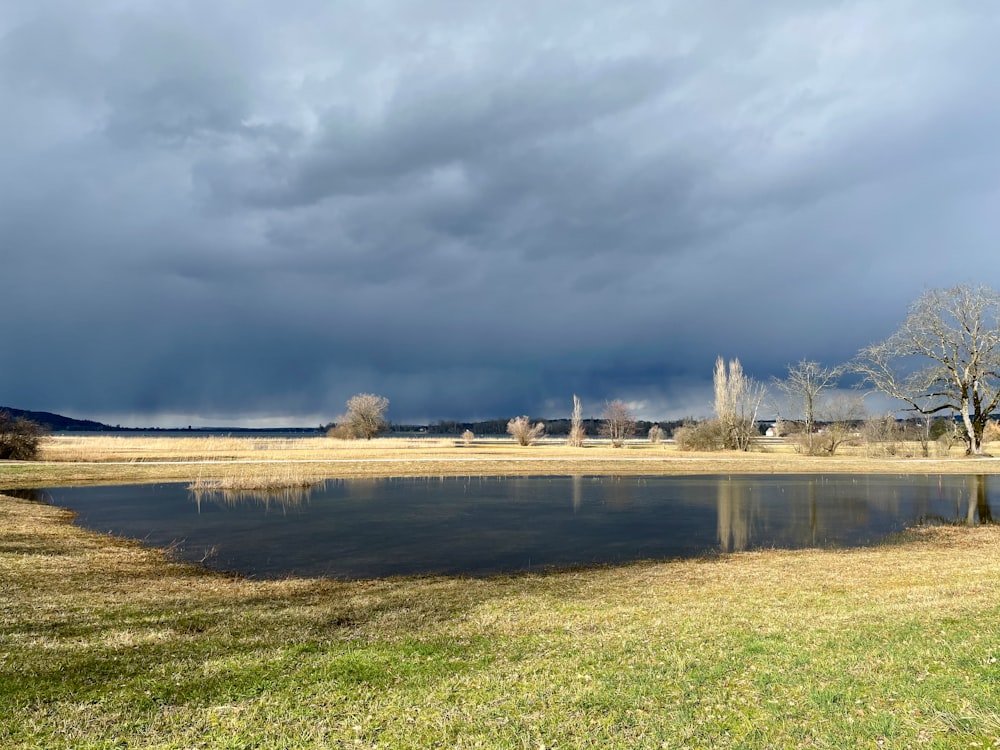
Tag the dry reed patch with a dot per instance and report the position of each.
(256, 477)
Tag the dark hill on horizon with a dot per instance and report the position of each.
(57, 422)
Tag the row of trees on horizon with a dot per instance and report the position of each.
(942, 363)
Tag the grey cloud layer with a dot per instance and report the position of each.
(241, 209)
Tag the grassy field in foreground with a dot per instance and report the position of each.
(104, 643)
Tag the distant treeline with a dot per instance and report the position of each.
(499, 427)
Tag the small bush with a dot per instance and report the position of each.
(823, 442)
(655, 434)
(342, 430)
(881, 436)
(699, 436)
(947, 439)
(943, 446)
(819, 443)
(525, 433)
(20, 438)
(991, 433)
(467, 437)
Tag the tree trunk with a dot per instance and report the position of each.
(973, 442)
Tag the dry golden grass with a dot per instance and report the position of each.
(127, 459)
(115, 448)
(272, 476)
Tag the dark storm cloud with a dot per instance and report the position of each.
(212, 212)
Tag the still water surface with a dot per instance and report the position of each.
(483, 525)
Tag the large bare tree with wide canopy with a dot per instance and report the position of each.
(945, 357)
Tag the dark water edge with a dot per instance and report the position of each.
(477, 526)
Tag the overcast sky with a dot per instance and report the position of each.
(244, 212)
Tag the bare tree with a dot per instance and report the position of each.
(881, 435)
(655, 434)
(618, 424)
(805, 382)
(737, 400)
(525, 433)
(467, 437)
(842, 417)
(945, 356)
(20, 438)
(576, 429)
(365, 417)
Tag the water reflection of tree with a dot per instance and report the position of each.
(619, 492)
(979, 504)
(735, 515)
(797, 512)
(972, 503)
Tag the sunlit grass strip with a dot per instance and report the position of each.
(100, 448)
(255, 477)
(128, 459)
(118, 448)
(104, 643)
(282, 484)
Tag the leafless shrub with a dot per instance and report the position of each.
(341, 429)
(881, 436)
(618, 424)
(991, 433)
(655, 434)
(699, 436)
(802, 442)
(576, 429)
(523, 432)
(917, 431)
(20, 438)
(467, 437)
(830, 437)
(947, 438)
(943, 445)
(842, 416)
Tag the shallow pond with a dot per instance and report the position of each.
(483, 525)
